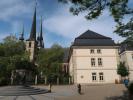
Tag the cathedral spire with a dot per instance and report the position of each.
(41, 35)
(33, 28)
(22, 34)
(41, 30)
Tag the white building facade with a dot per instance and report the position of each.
(126, 55)
(93, 59)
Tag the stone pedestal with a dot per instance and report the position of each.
(21, 77)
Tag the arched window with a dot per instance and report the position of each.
(29, 44)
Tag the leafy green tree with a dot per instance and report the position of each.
(119, 9)
(10, 39)
(94, 8)
(50, 61)
(12, 57)
(126, 31)
(122, 70)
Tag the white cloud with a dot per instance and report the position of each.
(65, 24)
(11, 11)
(12, 8)
(62, 22)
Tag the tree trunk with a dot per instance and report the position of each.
(45, 80)
(69, 80)
(12, 77)
(36, 80)
(57, 80)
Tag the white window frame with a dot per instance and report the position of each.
(91, 51)
(94, 76)
(101, 77)
(99, 51)
(93, 62)
(100, 62)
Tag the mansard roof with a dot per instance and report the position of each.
(90, 38)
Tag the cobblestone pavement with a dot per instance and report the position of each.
(69, 92)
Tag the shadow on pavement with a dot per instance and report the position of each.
(32, 98)
(82, 93)
(125, 96)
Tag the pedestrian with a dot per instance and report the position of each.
(79, 88)
(126, 81)
(50, 86)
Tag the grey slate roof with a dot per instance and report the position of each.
(90, 38)
(92, 35)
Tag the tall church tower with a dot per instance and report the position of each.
(40, 37)
(31, 43)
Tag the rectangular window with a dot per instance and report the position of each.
(101, 76)
(94, 78)
(92, 51)
(99, 61)
(92, 61)
(98, 50)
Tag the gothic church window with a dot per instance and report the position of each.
(29, 44)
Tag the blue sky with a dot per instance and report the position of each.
(59, 25)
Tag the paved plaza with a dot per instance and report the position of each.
(69, 92)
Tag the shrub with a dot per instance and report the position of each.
(3, 81)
